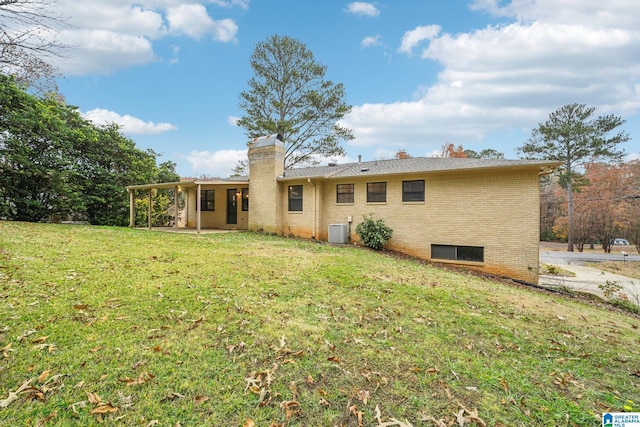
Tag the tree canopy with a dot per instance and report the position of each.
(289, 96)
(574, 136)
(55, 165)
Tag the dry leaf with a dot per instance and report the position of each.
(26, 334)
(48, 418)
(13, 395)
(334, 359)
(5, 351)
(353, 410)
(104, 408)
(39, 340)
(323, 402)
(249, 423)
(93, 398)
(505, 386)
(432, 371)
(291, 408)
(142, 378)
(201, 399)
(44, 375)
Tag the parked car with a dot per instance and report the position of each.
(619, 242)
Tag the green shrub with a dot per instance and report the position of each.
(373, 233)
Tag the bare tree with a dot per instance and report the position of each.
(28, 41)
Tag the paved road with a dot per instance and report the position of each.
(568, 258)
(588, 278)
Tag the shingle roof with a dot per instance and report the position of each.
(413, 165)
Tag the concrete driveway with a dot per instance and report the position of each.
(588, 278)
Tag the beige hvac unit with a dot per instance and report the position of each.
(338, 233)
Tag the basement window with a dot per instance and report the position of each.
(295, 198)
(458, 253)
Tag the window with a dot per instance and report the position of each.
(376, 192)
(344, 193)
(458, 253)
(413, 191)
(295, 198)
(245, 199)
(207, 200)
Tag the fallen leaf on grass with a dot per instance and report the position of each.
(363, 396)
(39, 340)
(103, 408)
(438, 423)
(199, 400)
(26, 334)
(6, 350)
(249, 423)
(96, 349)
(471, 417)
(93, 398)
(142, 378)
(196, 323)
(291, 408)
(81, 404)
(173, 396)
(44, 375)
(391, 422)
(353, 410)
(504, 384)
(46, 419)
(13, 395)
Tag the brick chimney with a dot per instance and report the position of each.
(266, 164)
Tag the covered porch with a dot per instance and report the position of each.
(197, 204)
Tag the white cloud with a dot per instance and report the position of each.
(362, 9)
(103, 51)
(413, 37)
(510, 77)
(127, 123)
(371, 41)
(106, 36)
(216, 163)
(233, 120)
(194, 21)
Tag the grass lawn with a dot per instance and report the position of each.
(112, 326)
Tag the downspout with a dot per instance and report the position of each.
(313, 229)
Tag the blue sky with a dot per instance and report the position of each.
(418, 73)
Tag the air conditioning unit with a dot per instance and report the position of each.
(338, 233)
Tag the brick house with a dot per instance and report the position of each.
(478, 213)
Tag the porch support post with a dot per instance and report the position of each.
(198, 208)
(150, 209)
(132, 209)
(175, 214)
